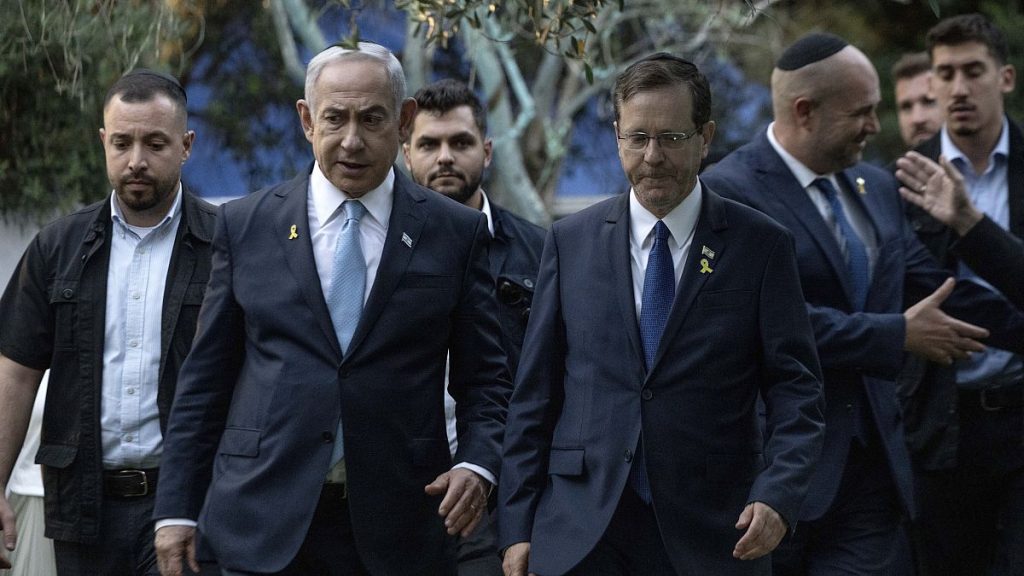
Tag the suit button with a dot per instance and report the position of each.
(328, 437)
(849, 407)
(67, 293)
(647, 394)
(344, 372)
(629, 455)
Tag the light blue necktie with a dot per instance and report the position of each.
(655, 305)
(851, 245)
(348, 286)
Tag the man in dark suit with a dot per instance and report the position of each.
(967, 428)
(633, 444)
(448, 151)
(858, 258)
(308, 436)
(107, 298)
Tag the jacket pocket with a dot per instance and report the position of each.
(240, 442)
(56, 455)
(566, 462)
(64, 302)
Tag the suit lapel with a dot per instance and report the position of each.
(615, 238)
(293, 214)
(780, 181)
(705, 235)
(407, 218)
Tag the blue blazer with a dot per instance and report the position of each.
(259, 398)
(861, 352)
(583, 395)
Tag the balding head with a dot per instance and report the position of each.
(825, 110)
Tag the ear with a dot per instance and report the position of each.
(306, 118)
(1007, 78)
(803, 109)
(406, 116)
(708, 132)
(103, 137)
(186, 142)
(488, 150)
(405, 156)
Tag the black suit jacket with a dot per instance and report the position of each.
(928, 391)
(514, 258)
(997, 255)
(260, 396)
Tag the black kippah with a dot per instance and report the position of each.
(163, 76)
(810, 49)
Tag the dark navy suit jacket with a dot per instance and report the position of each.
(583, 394)
(861, 352)
(260, 395)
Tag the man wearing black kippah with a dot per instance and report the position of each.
(859, 260)
(107, 299)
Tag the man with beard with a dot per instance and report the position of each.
(448, 151)
(965, 428)
(917, 111)
(858, 260)
(107, 299)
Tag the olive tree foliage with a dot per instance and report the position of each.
(57, 59)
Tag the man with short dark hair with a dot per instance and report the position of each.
(633, 444)
(448, 150)
(917, 111)
(859, 264)
(967, 432)
(107, 298)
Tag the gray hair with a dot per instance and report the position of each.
(366, 50)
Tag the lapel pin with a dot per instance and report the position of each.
(705, 268)
(406, 240)
(705, 251)
(860, 187)
(293, 234)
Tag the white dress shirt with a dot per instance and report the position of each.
(681, 223)
(129, 417)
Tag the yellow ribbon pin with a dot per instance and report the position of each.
(292, 234)
(705, 268)
(860, 186)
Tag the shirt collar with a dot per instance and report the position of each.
(485, 207)
(804, 175)
(681, 221)
(953, 153)
(327, 197)
(117, 216)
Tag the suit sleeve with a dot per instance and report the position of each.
(204, 390)
(536, 401)
(790, 386)
(997, 256)
(478, 377)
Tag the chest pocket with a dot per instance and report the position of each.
(64, 299)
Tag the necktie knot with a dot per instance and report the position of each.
(661, 231)
(826, 187)
(354, 210)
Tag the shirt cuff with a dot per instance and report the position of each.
(483, 472)
(174, 522)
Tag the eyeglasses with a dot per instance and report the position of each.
(667, 140)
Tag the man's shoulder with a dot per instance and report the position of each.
(80, 220)
(521, 227)
(752, 222)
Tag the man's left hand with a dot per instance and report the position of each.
(465, 498)
(764, 530)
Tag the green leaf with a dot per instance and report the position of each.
(589, 72)
(935, 7)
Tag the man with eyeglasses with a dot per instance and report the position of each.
(633, 445)
(859, 263)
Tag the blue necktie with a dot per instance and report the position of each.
(655, 305)
(850, 244)
(348, 286)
